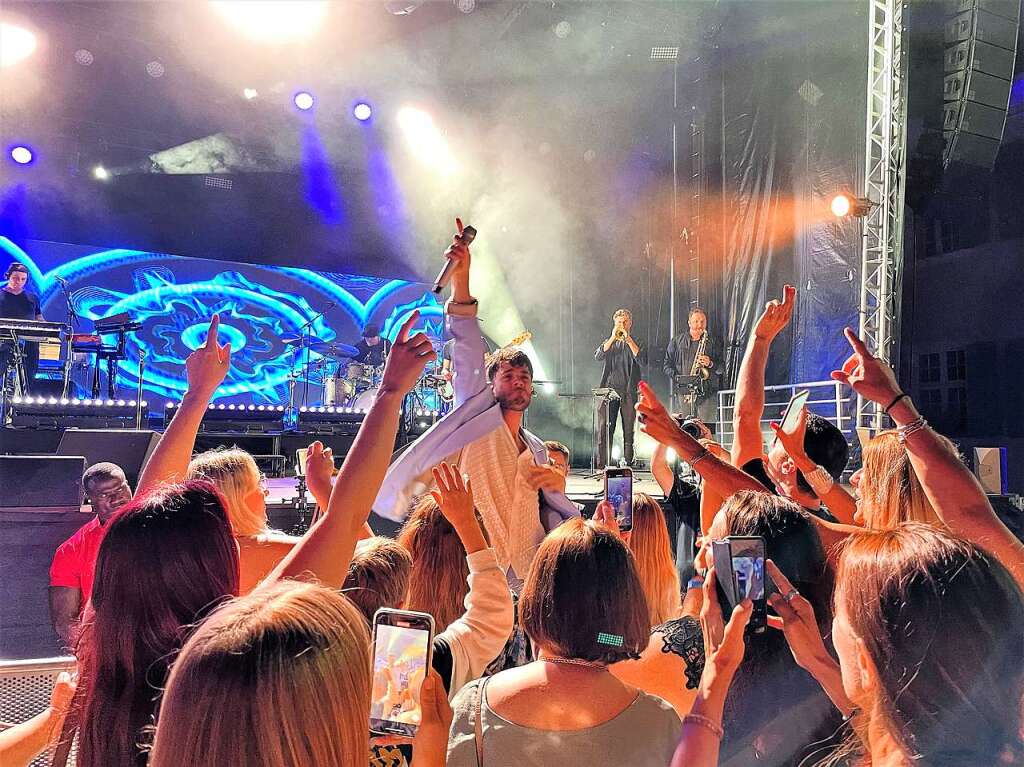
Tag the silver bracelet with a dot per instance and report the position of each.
(902, 432)
(820, 480)
(700, 457)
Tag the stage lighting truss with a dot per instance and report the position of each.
(67, 405)
(884, 179)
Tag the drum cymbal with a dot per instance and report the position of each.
(333, 349)
(299, 340)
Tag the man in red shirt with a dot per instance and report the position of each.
(71, 572)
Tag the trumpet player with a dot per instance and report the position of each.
(623, 358)
(693, 364)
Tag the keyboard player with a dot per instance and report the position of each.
(19, 304)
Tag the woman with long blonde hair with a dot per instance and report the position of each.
(888, 490)
(652, 552)
(235, 474)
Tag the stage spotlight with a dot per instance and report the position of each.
(155, 69)
(362, 111)
(250, 93)
(465, 6)
(22, 155)
(100, 173)
(425, 140)
(844, 205)
(84, 57)
(562, 29)
(274, 21)
(840, 206)
(304, 100)
(16, 44)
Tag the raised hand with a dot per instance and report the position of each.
(408, 357)
(655, 420)
(207, 366)
(431, 742)
(867, 375)
(458, 252)
(795, 618)
(63, 691)
(604, 514)
(540, 477)
(723, 644)
(793, 441)
(776, 315)
(454, 496)
(319, 470)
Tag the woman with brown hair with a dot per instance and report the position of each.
(584, 608)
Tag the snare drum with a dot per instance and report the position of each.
(337, 390)
(356, 371)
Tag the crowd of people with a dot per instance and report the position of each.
(895, 626)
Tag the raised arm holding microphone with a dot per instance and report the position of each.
(517, 492)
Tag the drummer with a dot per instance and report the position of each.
(372, 348)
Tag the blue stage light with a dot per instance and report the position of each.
(22, 155)
(362, 111)
(304, 100)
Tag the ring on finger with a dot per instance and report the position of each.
(788, 596)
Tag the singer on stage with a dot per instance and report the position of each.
(18, 304)
(624, 358)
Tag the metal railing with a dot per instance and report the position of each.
(829, 399)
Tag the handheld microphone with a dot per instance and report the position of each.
(445, 275)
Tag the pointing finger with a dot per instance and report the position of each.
(458, 225)
(211, 334)
(403, 332)
(856, 343)
(788, 294)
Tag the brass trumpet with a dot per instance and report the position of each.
(620, 333)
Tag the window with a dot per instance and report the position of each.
(957, 398)
(931, 368)
(931, 404)
(956, 365)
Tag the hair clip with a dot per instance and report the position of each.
(610, 639)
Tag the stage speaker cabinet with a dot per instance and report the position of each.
(128, 448)
(981, 39)
(990, 466)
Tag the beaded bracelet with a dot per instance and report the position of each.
(911, 428)
(703, 721)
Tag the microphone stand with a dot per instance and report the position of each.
(138, 394)
(306, 331)
(72, 316)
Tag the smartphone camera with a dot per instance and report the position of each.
(402, 641)
(740, 574)
(618, 490)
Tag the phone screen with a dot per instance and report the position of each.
(619, 492)
(747, 558)
(399, 667)
(792, 415)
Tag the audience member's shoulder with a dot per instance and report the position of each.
(683, 637)
(88, 530)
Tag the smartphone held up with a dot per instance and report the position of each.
(402, 641)
(618, 491)
(740, 574)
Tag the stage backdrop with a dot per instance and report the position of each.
(174, 297)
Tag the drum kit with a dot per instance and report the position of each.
(343, 381)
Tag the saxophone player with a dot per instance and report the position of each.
(693, 363)
(623, 358)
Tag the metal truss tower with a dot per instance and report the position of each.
(884, 181)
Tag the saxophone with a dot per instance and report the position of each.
(696, 369)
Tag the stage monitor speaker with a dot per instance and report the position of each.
(127, 448)
(28, 540)
(990, 466)
(981, 46)
(38, 481)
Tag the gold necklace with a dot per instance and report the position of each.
(577, 662)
